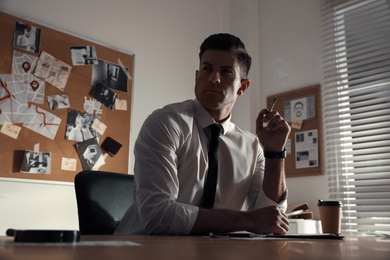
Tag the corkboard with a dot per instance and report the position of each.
(78, 87)
(306, 139)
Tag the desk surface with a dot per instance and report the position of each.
(198, 247)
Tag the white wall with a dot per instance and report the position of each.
(165, 37)
(290, 58)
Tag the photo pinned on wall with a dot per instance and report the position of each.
(79, 126)
(306, 149)
(90, 155)
(58, 101)
(111, 75)
(27, 37)
(83, 55)
(104, 95)
(37, 163)
(299, 109)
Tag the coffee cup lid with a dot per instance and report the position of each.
(329, 203)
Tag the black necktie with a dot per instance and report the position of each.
(212, 175)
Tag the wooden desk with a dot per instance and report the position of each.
(204, 248)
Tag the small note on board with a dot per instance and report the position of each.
(10, 129)
(297, 124)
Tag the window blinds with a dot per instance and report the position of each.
(356, 105)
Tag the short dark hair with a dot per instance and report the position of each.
(298, 103)
(229, 43)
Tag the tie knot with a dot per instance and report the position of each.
(216, 130)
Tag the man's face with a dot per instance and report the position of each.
(28, 32)
(298, 108)
(79, 122)
(218, 80)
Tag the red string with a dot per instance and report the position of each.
(44, 118)
(4, 85)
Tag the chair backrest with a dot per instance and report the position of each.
(102, 200)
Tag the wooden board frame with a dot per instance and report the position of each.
(296, 167)
(57, 43)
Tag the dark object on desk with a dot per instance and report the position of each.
(299, 211)
(44, 236)
(102, 200)
(111, 146)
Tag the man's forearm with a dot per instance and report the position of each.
(218, 220)
(262, 221)
(274, 183)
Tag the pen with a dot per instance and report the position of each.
(273, 105)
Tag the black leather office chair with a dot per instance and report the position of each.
(102, 200)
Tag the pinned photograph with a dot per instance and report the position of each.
(111, 75)
(79, 126)
(306, 149)
(83, 55)
(104, 95)
(58, 101)
(299, 109)
(27, 37)
(90, 154)
(38, 163)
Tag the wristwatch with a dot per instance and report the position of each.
(275, 155)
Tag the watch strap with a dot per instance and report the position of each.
(275, 155)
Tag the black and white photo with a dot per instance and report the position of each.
(27, 37)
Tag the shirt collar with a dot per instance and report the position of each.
(204, 118)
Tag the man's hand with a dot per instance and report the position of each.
(273, 137)
(269, 220)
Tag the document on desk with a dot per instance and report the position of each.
(249, 235)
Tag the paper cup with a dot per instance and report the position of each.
(330, 214)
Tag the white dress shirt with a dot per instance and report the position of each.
(171, 164)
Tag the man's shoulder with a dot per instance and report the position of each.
(185, 108)
(176, 113)
(186, 105)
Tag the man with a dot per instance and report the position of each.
(30, 160)
(171, 157)
(80, 132)
(26, 41)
